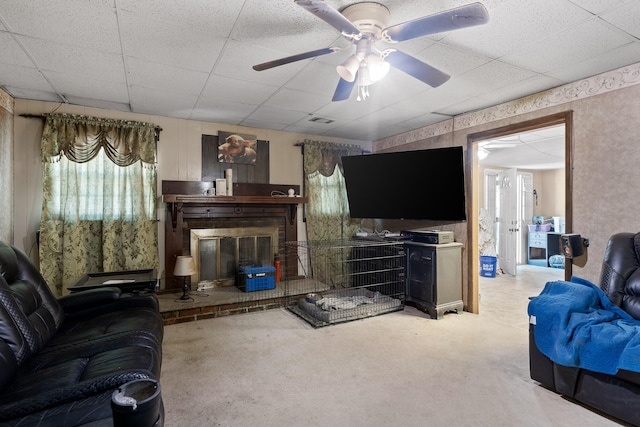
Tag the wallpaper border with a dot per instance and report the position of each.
(6, 101)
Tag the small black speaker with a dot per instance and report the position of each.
(572, 245)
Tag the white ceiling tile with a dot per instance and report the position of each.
(99, 103)
(226, 88)
(89, 23)
(168, 44)
(575, 44)
(12, 53)
(216, 18)
(172, 79)
(76, 61)
(469, 104)
(283, 26)
(526, 87)
(419, 121)
(161, 110)
(221, 111)
(297, 100)
(610, 60)
(261, 124)
(514, 24)
(276, 115)
(451, 60)
(433, 99)
(67, 84)
(345, 111)
(599, 6)
(626, 17)
(35, 94)
(489, 77)
(147, 96)
(15, 76)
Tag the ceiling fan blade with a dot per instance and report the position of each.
(461, 17)
(416, 68)
(343, 91)
(331, 16)
(294, 58)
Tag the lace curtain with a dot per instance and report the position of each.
(328, 209)
(99, 198)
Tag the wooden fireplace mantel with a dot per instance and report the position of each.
(186, 203)
(175, 202)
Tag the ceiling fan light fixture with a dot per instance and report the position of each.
(349, 68)
(378, 67)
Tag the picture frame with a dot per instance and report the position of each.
(237, 148)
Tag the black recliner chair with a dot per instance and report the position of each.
(616, 395)
(61, 360)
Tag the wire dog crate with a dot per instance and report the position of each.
(346, 280)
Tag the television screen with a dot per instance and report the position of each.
(423, 184)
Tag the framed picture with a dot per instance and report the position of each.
(237, 148)
(213, 168)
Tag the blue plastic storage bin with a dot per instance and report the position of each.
(256, 278)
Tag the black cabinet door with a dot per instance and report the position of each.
(421, 274)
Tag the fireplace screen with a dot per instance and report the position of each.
(219, 252)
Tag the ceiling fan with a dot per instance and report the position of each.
(365, 25)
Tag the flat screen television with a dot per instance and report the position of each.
(423, 184)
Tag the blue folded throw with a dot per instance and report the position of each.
(575, 324)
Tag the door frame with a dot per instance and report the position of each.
(473, 267)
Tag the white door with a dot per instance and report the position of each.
(525, 212)
(508, 221)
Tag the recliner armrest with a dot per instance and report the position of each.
(88, 299)
(95, 302)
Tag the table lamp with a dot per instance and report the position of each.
(184, 268)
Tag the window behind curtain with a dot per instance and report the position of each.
(95, 183)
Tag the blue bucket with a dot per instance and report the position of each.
(488, 266)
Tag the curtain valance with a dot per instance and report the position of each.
(322, 157)
(80, 138)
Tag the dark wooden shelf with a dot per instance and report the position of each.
(189, 198)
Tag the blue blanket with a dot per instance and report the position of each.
(575, 324)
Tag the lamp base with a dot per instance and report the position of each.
(185, 292)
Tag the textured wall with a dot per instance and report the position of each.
(6, 167)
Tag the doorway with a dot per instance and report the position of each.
(506, 209)
(514, 226)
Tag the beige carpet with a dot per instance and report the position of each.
(271, 368)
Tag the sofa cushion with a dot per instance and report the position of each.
(75, 379)
(8, 364)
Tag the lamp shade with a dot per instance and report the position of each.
(349, 68)
(184, 266)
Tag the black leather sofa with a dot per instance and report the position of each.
(62, 359)
(615, 395)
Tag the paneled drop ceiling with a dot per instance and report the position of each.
(193, 59)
